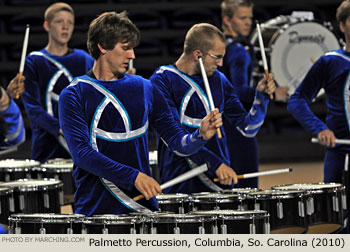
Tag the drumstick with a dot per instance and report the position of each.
(179, 179)
(263, 56)
(337, 141)
(207, 88)
(131, 64)
(260, 174)
(24, 52)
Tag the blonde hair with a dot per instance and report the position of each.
(53, 9)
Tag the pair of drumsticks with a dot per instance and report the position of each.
(204, 168)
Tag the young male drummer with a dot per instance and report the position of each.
(238, 66)
(47, 72)
(183, 87)
(330, 72)
(105, 116)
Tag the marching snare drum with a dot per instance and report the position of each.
(38, 223)
(175, 203)
(243, 193)
(111, 224)
(238, 221)
(293, 44)
(324, 205)
(287, 209)
(35, 196)
(60, 169)
(216, 201)
(12, 169)
(4, 204)
(170, 223)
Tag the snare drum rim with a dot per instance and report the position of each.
(32, 187)
(56, 169)
(314, 190)
(218, 198)
(276, 194)
(110, 219)
(242, 191)
(180, 198)
(180, 218)
(5, 190)
(46, 218)
(235, 214)
(30, 163)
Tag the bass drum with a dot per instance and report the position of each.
(292, 45)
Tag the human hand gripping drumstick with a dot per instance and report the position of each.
(207, 89)
(260, 174)
(263, 56)
(337, 141)
(24, 52)
(179, 179)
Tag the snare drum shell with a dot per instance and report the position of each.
(208, 201)
(4, 205)
(174, 203)
(290, 203)
(324, 211)
(13, 169)
(32, 225)
(32, 196)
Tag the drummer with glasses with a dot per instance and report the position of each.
(238, 65)
(330, 72)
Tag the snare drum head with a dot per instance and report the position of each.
(294, 46)
(31, 184)
(14, 163)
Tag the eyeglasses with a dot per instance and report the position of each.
(216, 57)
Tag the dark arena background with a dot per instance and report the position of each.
(283, 143)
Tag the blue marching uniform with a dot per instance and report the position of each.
(330, 72)
(106, 126)
(189, 104)
(13, 121)
(46, 76)
(238, 65)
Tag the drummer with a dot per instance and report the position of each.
(238, 65)
(105, 117)
(330, 72)
(182, 85)
(47, 72)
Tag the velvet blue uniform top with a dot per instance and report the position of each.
(16, 133)
(106, 126)
(330, 72)
(46, 75)
(189, 103)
